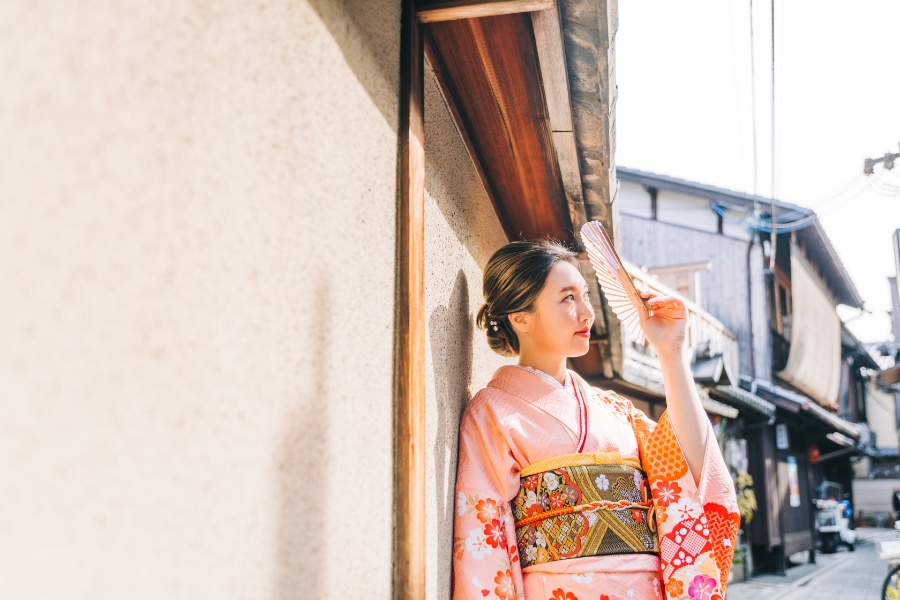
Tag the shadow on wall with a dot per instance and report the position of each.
(368, 34)
(451, 330)
(303, 476)
(453, 183)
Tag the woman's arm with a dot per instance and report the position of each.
(666, 331)
(485, 554)
(686, 414)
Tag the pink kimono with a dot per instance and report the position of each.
(520, 419)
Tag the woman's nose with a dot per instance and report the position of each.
(587, 311)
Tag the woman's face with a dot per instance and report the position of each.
(561, 321)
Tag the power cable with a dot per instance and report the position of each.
(837, 190)
(834, 207)
(852, 189)
(774, 231)
(753, 104)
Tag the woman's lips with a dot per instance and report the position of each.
(585, 334)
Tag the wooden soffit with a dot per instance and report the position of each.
(531, 86)
(489, 73)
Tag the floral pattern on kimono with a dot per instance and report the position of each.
(697, 521)
(519, 419)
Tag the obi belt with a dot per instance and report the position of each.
(582, 504)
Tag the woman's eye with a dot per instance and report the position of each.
(572, 296)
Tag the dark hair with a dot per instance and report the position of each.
(513, 278)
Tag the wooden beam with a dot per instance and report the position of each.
(567, 157)
(552, 58)
(435, 11)
(703, 265)
(548, 41)
(409, 380)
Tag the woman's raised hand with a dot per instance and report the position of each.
(666, 330)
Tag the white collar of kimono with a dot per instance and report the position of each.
(550, 379)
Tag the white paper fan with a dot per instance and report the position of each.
(616, 283)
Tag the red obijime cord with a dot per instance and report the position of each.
(582, 415)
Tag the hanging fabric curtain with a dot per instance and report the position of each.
(814, 362)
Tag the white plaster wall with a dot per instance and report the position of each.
(880, 416)
(634, 200)
(873, 496)
(682, 209)
(734, 224)
(461, 233)
(197, 217)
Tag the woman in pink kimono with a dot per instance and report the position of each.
(566, 491)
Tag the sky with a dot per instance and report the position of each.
(685, 108)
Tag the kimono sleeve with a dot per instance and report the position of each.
(485, 557)
(697, 516)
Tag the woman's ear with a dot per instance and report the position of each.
(520, 322)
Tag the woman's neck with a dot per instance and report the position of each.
(555, 367)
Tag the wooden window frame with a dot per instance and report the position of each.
(408, 578)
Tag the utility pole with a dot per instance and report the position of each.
(888, 160)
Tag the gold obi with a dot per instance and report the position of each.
(583, 505)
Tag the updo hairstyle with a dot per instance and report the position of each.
(513, 278)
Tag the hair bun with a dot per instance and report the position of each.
(501, 338)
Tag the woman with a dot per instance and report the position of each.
(569, 492)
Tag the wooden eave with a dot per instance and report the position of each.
(488, 71)
(531, 87)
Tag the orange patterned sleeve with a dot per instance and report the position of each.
(697, 514)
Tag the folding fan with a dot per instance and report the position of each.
(616, 283)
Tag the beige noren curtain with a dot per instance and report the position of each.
(813, 364)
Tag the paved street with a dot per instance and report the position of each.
(843, 575)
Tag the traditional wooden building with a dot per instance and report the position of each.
(878, 473)
(798, 369)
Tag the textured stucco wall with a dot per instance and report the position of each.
(461, 233)
(197, 245)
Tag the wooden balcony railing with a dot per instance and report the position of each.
(703, 330)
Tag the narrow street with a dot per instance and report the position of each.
(841, 576)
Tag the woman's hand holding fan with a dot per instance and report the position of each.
(666, 328)
(661, 319)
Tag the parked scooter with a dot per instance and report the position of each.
(832, 521)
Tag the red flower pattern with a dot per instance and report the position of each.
(557, 500)
(513, 552)
(559, 594)
(506, 589)
(666, 492)
(488, 510)
(493, 531)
